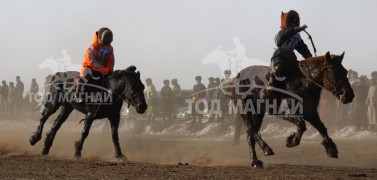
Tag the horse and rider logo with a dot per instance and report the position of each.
(65, 64)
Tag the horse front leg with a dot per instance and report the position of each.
(114, 122)
(66, 110)
(295, 138)
(84, 135)
(330, 146)
(46, 113)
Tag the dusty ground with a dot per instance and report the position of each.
(162, 157)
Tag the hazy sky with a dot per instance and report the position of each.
(167, 39)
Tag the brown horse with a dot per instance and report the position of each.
(302, 90)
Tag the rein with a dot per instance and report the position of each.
(127, 100)
(333, 88)
(311, 40)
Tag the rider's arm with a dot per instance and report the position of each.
(109, 64)
(303, 49)
(284, 34)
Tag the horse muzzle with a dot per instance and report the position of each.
(346, 98)
(140, 105)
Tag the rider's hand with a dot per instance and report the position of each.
(301, 28)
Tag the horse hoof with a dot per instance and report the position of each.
(45, 151)
(268, 152)
(333, 155)
(78, 155)
(257, 164)
(291, 141)
(331, 149)
(121, 158)
(119, 155)
(33, 140)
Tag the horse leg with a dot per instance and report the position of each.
(237, 130)
(66, 110)
(295, 138)
(46, 113)
(255, 162)
(258, 119)
(114, 121)
(331, 149)
(253, 137)
(84, 135)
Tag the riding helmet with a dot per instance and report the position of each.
(105, 36)
(289, 19)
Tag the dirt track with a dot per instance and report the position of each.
(50, 168)
(158, 157)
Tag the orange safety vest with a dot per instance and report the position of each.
(99, 58)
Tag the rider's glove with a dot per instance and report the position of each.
(301, 28)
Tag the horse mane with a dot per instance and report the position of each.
(120, 73)
(321, 58)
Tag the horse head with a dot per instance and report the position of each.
(335, 78)
(127, 83)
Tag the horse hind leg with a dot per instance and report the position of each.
(253, 137)
(237, 130)
(66, 110)
(257, 121)
(50, 108)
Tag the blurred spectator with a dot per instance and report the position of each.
(167, 100)
(34, 89)
(360, 89)
(4, 95)
(178, 100)
(371, 102)
(209, 96)
(19, 95)
(327, 108)
(345, 112)
(12, 100)
(152, 100)
(198, 95)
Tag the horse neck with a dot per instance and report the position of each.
(312, 71)
(116, 89)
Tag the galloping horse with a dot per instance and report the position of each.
(303, 85)
(122, 85)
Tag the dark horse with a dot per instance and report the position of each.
(303, 85)
(122, 85)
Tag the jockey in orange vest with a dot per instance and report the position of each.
(99, 57)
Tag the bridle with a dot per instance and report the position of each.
(333, 88)
(128, 100)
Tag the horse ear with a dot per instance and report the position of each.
(328, 57)
(138, 73)
(341, 57)
(131, 68)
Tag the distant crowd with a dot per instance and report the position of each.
(173, 100)
(361, 113)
